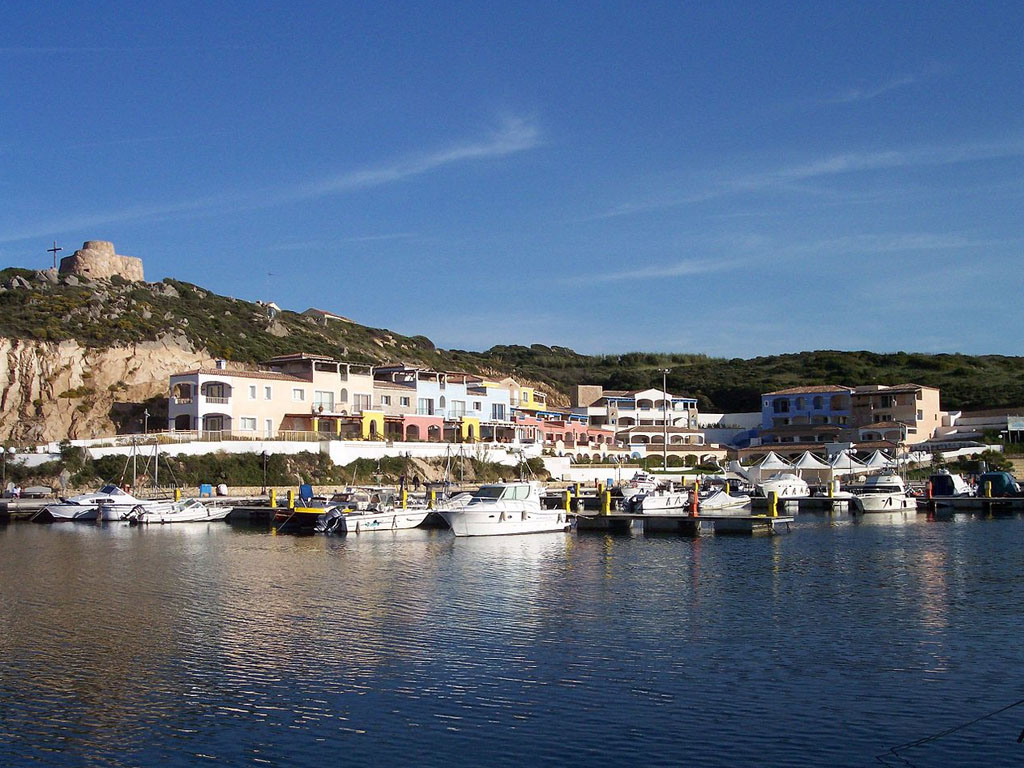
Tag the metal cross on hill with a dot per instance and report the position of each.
(54, 252)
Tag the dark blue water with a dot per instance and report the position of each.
(212, 646)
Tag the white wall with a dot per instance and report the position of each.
(750, 420)
(198, 448)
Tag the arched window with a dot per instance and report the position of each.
(344, 395)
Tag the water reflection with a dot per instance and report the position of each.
(144, 646)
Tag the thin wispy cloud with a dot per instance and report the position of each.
(898, 242)
(513, 136)
(831, 166)
(872, 92)
(322, 245)
(678, 269)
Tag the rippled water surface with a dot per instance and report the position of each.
(211, 645)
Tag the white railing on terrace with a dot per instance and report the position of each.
(218, 400)
(181, 401)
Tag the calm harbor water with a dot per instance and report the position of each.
(209, 645)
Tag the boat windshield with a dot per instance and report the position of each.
(489, 493)
(111, 490)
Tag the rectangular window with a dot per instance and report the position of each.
(458, 408)
(323, 399)
(252, 391)
(362, 402)
(268, 428)
(477, 406)
(498, 411)
(298, 395)
(268, 393)
(247, 423)
(385, 399)
(425, 406)
(404, 401)
(920, 415)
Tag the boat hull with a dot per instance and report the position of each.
(160, 517)
(394, 520)
(64, 513)
(884, 502)
(504, 522)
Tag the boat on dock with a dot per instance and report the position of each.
(503, 509)
(881, 493)
(659, 502)
(948, 485)
(108, 503)
(337, 520)
(721, 502)
(785, 486)
(186, 511)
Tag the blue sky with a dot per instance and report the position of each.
(730, 178)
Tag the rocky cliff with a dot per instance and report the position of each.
(50, 391)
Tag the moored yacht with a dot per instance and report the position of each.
(641, 482)
(186, 511)
(108, 503)
(881, 493)
(504, 508)
(664, 501)
(785, 485)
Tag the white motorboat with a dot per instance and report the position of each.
(660, 502)
(186, 511)
(720, 501)
(108, 503)
(881, 493)
(504, 508)
(641, 482)
(340, 521)
(785, 485)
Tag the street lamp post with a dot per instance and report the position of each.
(145, 421)
(664, 415)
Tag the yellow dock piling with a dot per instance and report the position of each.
(773, 504)
(273, 499)
(606, 502)
(291, 499)
(177, 494)
(405, 499)
(432, 499)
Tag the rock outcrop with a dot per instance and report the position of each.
(51, 391)
(97, 259)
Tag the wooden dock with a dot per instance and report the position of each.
(682, 523)
(972, 505)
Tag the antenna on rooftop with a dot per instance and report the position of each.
(54, 252)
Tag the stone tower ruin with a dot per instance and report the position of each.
(96, 259)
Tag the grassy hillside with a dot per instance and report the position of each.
(113, 313)
(116, 312)
(967, 382)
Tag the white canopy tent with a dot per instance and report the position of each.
(809, 466)
(879, 461)
(768, 466)
(845, 463)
